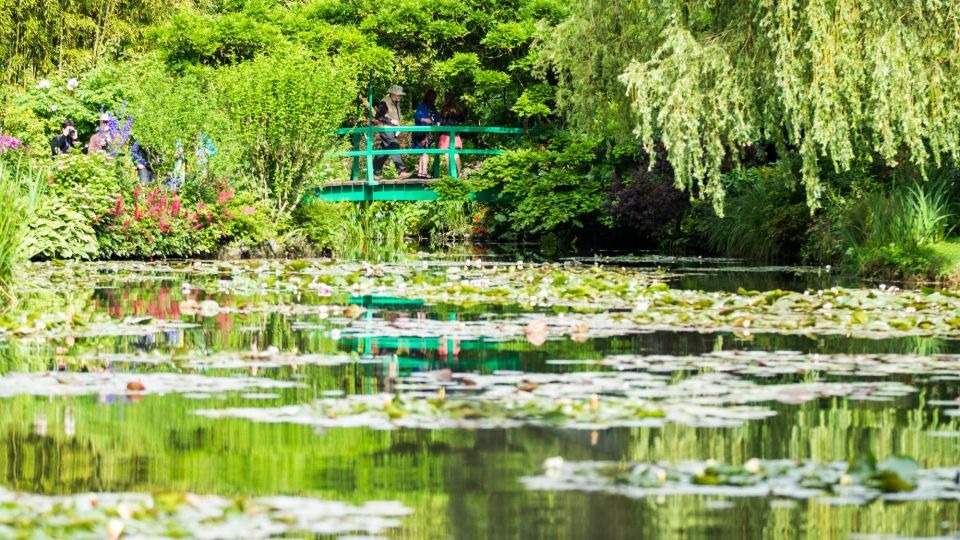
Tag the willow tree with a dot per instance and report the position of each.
(833, 80)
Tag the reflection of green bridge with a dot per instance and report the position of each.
(365, 187)
(366, 345)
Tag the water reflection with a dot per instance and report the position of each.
(459, 483)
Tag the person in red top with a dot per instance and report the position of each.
(451, 114)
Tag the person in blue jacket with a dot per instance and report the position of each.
(426, 115)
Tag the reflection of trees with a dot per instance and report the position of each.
(462, 482)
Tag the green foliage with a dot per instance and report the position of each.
(251, 224)
(375, 232)
(562, 185)
(765, 216)
(60, 231)
(34, 115)
(321, 224)
(835, 81)
(44, 37)
(19, 193)
(890, 233)
(90, 182)
(156, 222)
(171, 114)
(282, 109)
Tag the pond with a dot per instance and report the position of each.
(473, 396)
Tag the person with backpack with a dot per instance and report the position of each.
(387, 113)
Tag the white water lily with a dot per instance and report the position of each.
(753, 466)
(553, 464)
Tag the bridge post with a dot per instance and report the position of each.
(452, 152)
(355, 168)
(369, 135)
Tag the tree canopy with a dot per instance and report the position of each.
(832, 80)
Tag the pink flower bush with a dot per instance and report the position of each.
(9, 143)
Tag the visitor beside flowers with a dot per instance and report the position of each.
(387, 113)
(451, 114)
(426, 115)
(63, 143)
(101, 138)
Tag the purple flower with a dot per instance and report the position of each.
(119, 134)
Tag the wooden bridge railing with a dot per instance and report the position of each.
(367, 134)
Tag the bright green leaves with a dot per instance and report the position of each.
(547, 189)
(833, 81)
(534, 101)
(282, 108)
(688, 94)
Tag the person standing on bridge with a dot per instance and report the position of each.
(387, 113)
(426, 115)
(451, 114)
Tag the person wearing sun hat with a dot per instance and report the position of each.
(388, 113)
(100, 138)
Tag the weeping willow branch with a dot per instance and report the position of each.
(833, 80)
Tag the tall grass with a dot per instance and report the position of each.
(374, 233)
(19, 192)
(765, 215)
(920, 217)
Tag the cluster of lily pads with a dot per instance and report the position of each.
(586, 400)
(120, 383)
(759, 363)
(185, 515)
(860, 481)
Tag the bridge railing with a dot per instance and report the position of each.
(366, 134)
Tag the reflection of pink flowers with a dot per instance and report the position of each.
(249, 210)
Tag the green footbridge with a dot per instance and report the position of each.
(364, 187)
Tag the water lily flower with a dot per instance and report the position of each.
(43, 84)
(660, 475)
(114, 529)
(753, 466)
(553, 464)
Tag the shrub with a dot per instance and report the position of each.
(766, 217)
(158, 223)
(91, 183)
(322, 224)
(645, 202)
(173, 114)
(542, 190)
(283, 109)
(60, 231)
(889, 233)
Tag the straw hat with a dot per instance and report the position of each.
(396, 90)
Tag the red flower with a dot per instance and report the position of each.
(224, 196)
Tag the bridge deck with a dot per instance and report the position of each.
(391, 182)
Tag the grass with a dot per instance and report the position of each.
(948, 257)
(19, 192)
(903, 235)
